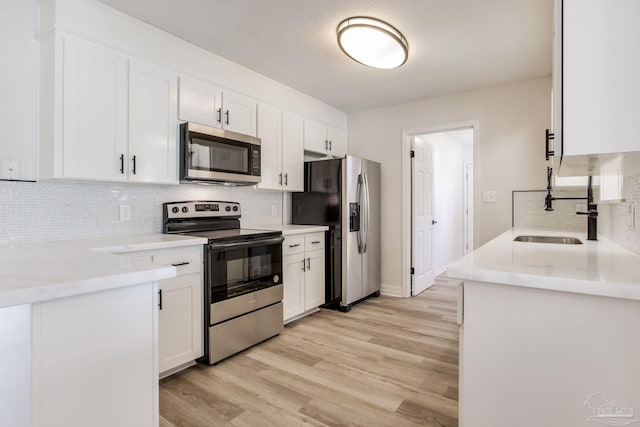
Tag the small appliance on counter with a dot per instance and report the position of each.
(344, 194)
(243, 275)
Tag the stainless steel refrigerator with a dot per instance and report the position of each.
(344, 194)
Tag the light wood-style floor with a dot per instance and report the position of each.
(388, 362)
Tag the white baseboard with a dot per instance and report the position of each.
(391, 290)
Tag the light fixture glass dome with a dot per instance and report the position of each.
(372, 42)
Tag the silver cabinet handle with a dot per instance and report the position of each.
(303, 265)
(308, 263)
(294, 246)
(219, 111)
(133, 159)
(280, 181)
(286, 179)
(315, 242)
(226, 115)
(122, 164)
(160, 299)
(330, 145)
(326, 144)
(178, 264)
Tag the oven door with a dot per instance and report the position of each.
(210, 154)
(238, 268)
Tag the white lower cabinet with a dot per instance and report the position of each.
(180, 309)
(303, 274)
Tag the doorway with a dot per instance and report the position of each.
(441, 202)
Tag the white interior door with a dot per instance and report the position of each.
(468, 208)
(421, 216)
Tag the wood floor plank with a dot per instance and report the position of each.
(387, 362)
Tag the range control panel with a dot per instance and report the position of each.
(201, 209)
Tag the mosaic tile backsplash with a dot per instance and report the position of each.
(613, 218)
(32, 212)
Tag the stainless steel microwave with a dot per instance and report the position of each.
(218, 156)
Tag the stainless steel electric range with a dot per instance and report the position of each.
(243, 275)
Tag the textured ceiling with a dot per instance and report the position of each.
(454, 45)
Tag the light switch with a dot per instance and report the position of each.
(489, 196)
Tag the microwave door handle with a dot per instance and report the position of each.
(250, 244)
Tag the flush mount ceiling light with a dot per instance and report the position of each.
(372, 42)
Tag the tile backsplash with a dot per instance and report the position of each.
(42, 211)
(528, 211)
(612, 220)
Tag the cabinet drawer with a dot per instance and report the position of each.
(185, 261)
(292, 245)
(314, 241)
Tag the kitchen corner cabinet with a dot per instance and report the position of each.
(281, 134)
(303, 274)
(596, 98)
(322, 139)
(180, 308)
(209, 105)
(104, 116)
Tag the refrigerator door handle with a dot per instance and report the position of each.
(359, 191)
(366, 214)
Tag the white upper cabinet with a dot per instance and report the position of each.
(322, 139)
(153, 123)
(200, 102)
(293, 152)
(239, 113)
(207, 104)
(94, 120)
(282, 151)
(596, 91)
(104, 116)
(270, 134)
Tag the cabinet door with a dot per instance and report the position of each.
(293, 152)
(314, 280)
(600, 68)
(239, 113)
(337, 142)
(293, 286)
(153, 150)
(95, 111)
(200, 103)
(270, 134)
(179, 321)
(315, 137)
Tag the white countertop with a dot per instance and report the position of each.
(34, 272)
(291, 229)
(595, 268)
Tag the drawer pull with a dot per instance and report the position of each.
(315, 242)
(294, 246)
(160, 299)
(181, 263)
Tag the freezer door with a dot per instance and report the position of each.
(371, 219)
(352, 289)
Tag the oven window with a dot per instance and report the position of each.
(234, 272)
(218, 156)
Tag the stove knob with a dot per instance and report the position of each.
(175, 209)
(228, 209)
(235, 209)
(185, 209)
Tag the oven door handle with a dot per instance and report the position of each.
(249, 244)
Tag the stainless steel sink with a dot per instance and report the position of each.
(562, 240)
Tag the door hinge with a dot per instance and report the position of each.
(413, 270)
(412, 154)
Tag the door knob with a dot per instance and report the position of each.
(434, 222)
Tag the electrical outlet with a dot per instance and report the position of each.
(125, 213)
(10, 169)
(631, 216)
(489, 196)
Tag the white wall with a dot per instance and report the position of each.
(508, 153)
(18, 83)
